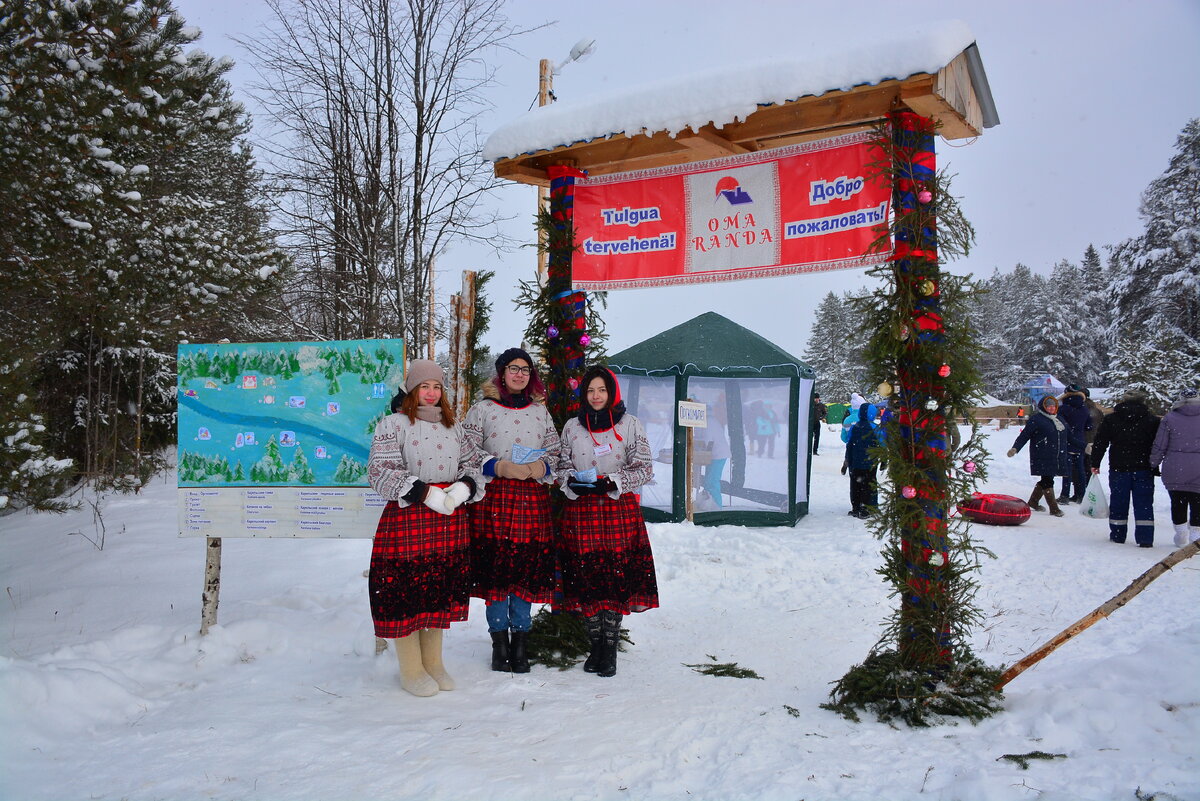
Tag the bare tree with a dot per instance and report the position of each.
(374, 149)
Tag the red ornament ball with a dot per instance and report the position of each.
(909, 492)
(924, 196)
(573, 382)
(944, 370)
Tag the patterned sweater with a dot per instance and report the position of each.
(626, 461)
(492, 429)
(403, 452)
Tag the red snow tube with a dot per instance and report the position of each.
(995, 510)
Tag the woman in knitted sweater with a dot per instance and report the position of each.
(607, 564)
(419, 581)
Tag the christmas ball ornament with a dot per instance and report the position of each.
(885, 389)
(944, 370)
(969, 467)
(936, 559)
(573, 382)
(931, 404)
(552, 332)
(902, 334)
(927, 287)
(584, 340)
(924, 196)
(909, 492)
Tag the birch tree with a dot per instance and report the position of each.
(374, 143)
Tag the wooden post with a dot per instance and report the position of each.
(545, 95)
(689, 474)
(462, 308)
(429, 327)
(1104, 610)
(212, 585)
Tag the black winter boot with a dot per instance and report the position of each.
(606, 665)
(592, 624)
(500, 651)
(518, 659)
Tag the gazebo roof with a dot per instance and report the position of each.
(934, 70)
(709, 344)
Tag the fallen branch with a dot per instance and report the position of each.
(1104, 610)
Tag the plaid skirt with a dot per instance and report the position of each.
(420, 577)
(606, 559)
(512, 542)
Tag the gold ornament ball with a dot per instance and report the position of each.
(885, 389)
(927, 287)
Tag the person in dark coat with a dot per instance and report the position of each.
(861, 466)
(1177, 449)
(1073, 411)
(1047, 437)
(817, 419)
(1128, 435)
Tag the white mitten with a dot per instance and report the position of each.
(456, 495)
(435, 499)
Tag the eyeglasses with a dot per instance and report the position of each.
(515, 370)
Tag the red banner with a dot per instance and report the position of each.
(796, 209)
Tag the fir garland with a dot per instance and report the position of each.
(924, 353)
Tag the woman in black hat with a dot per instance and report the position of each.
(607, 564)
(512, 538)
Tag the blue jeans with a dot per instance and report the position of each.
(511, 613)
(1121, 486)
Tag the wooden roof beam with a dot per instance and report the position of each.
(706, 143)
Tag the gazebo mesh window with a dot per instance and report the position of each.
(741, 459)
(652, 400)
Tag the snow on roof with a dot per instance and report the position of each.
(733, 93)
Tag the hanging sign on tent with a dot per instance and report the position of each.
(796, 209)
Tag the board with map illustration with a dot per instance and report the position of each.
(272, 436)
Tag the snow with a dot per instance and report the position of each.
(111, 694)
(722, 96)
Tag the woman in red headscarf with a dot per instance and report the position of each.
(607, 564)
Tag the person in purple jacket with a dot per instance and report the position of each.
(1176, 452)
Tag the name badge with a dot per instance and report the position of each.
(602, 450)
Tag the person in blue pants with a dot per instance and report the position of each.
(1127, 435)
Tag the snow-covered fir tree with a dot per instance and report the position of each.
(1155, 324)
(835, 349)
(131, 217)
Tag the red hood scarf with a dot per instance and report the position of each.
(603, 419)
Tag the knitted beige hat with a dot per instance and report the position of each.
(420, 371)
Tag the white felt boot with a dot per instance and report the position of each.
(431, 658)
(413, 677)
(1181, 534)
(1195, 533)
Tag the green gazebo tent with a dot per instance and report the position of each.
(751, 463)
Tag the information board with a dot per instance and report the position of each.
(273, 437)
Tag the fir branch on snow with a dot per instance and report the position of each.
(729, 669)
(1023, 759)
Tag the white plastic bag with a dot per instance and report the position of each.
(1095, 502)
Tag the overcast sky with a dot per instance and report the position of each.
(1091, 96)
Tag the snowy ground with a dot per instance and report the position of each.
(110, 693)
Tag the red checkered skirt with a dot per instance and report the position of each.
(605, 556)
(512, 542)
(420, 575)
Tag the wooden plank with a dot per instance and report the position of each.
(515, 169)
(954, 85)
(832, 109)
(709, 143)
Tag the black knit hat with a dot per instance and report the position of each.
(511, 355)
